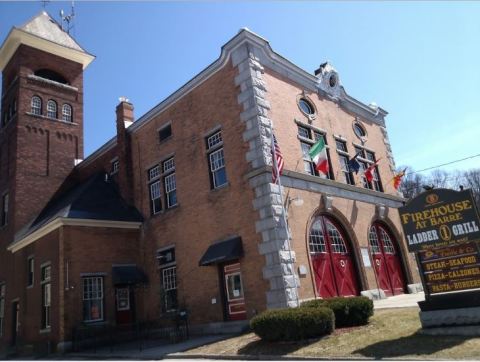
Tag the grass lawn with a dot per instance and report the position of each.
(391, 333)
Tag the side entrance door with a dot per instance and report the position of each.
(124, 296)
(233, 291)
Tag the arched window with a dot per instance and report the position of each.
(336, 238)
(52, 109)
(67, 113)
(377, 231)
(317, 237)
(37, 105)
(317, 240)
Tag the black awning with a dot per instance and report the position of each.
(128, 274)
(223, 251)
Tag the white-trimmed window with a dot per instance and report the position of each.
(155, 197)
(344, 158)
(52, 109)
(153, 173)
(45, 281)
(169, 284)
(4, 210)
(216, 160)
(36, 105)
(367, 158)
(170, 182)
(2, 307)
(165, 132)
(93, 299)
(67, 113)
(317, 239)
(30, 271)
(115, 167)
(308, 137)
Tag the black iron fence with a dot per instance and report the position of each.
(139, 335)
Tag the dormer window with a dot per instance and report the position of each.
(37, 105)
(52, 109)
(67, 113)
(51, 75)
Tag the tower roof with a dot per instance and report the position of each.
(44, 33)
(44, 26)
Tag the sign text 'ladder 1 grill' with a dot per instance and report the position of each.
(440, 218)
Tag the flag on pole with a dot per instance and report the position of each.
(353, 164)
(318, 153)
(397, 179)
(369, 171)
(277, 160)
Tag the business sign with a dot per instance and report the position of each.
(440, 218)
(451, 269)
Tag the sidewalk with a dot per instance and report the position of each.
(149, 353)
(399, 301)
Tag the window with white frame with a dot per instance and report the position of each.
(308, 137)
(93, 299)
(155, 197)
(366, 158)
(67, 113)
(169, 283)
(52, 109)
(36, 105)
(115, 167)
(2, 307)
(169, 182)
(216, 160)
(45, 281)
(344, 158)
(4, 210)
(168, 273)
(30, 271)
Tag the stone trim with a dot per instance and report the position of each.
(307, 182)
(279, 267)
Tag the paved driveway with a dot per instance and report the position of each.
(399, 301)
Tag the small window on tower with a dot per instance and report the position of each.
(37, 105)
(67, 113)
(165, 132)
(52, 109)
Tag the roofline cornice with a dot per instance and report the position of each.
(59, 222)
(18, 36)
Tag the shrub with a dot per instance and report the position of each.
(348, 312)
(293, 324)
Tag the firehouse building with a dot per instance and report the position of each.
(178, 211)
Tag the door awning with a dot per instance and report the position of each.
(223, 251)
(128, 275)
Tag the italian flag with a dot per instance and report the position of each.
(318, 153)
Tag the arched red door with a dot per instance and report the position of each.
(332, 261)
(386, 259)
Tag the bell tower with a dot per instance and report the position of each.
(41, 126)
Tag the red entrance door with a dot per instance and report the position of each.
(332, 260)
(386, 259)
(235, 300)
(124, 303)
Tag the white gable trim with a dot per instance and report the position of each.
(55, 224)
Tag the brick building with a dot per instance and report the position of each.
(178, 211)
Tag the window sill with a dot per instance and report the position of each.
(224, 186)
(45, 330)
(50, 119)
(165, 211)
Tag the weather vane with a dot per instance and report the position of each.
(68, 19)
(44, 3)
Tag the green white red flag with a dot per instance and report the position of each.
(318, 154)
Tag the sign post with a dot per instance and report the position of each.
(442, 228)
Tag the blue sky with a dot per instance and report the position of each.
(417, 60)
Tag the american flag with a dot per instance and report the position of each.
(277, 158)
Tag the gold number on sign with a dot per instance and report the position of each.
(445, 233)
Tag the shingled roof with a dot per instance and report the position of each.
(94, 199)
(44, 26)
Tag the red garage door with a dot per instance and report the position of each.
(386, 258)
(332, 261)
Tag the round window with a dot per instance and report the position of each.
(359, 130)
(306, 107)
(332, 80)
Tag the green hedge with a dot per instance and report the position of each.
(348, 312)
(293, 324)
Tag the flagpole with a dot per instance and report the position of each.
(284, 215)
